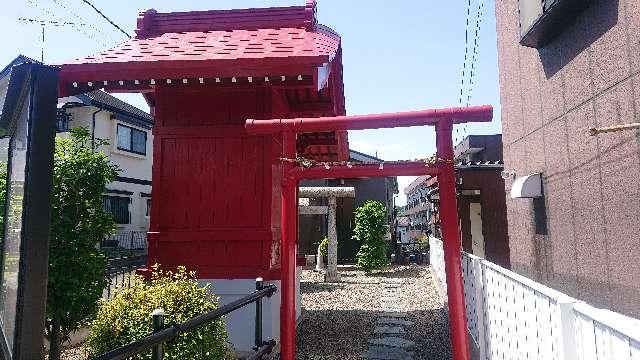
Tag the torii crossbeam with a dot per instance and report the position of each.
(295, 169)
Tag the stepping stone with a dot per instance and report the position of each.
(394, 321)
(388, 353)
(395, 314)
(385, 329)
(392, 341)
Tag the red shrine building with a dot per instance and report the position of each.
(216, 189)
(239, 97)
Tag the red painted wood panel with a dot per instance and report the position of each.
(215, 190)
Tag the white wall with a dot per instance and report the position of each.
(241, 323)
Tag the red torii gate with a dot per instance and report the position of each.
(441, 166)
(203, 74)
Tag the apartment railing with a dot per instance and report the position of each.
(512, 317)
(162, 334)
(130, 240)
(120, 273)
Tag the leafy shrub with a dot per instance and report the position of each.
(324, 247)
(370, 231)
(423, 243)
(127, 317)
(78, 222)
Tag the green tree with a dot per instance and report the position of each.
(127, 317)
(78, 222)
(370, 231)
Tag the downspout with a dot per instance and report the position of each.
(93, 128)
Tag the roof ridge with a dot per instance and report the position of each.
(152, 23)
(105, 98)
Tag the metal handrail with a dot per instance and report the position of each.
(170, 333)
(262, 351)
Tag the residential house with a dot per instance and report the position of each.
(127, 130)
(481, 206)
(567, 67)
(312, 228)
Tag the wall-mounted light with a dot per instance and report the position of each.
(508, 174)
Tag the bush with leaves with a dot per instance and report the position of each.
(324, 247)
(127, 317)
(369, 231)
(423, 242)
(78, 222)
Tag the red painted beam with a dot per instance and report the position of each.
(409, 168)
(288, 222)
(458, 115)
(452, 245)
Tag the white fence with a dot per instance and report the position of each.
(512, 317)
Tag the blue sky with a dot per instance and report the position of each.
(400, 55)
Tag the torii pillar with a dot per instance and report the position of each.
(331, 193)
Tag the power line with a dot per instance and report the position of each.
(479, 18)
(466, 51)
(49, 22)
(74, 14)
(106, 18)
(60, 23)
(464, 65)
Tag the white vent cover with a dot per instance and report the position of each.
(529, 186)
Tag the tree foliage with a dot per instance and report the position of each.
(324, 247)
(78, 222)
(127, 317)
(370, 231)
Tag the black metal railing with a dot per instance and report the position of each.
(162, 334)
(120, 272)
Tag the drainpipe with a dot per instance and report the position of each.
(93, 127)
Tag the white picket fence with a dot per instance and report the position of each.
(512, 317)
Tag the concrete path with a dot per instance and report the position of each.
(389, 341)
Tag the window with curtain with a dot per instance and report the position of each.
(118, 206)
(132, 140)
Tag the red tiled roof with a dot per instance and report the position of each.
(222, 45)
(218, 43)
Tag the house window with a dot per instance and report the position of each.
(62, 120)
(148, 207)
(132, 140)
(118, 206)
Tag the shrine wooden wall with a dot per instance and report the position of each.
(216, 194)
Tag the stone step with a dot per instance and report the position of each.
(394, 321)
(392, 341)
(395, 314)
(388, 353)
(384, 329)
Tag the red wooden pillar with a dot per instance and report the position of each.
(288, 251)
(451, 240)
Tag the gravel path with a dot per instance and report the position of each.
(340, 318)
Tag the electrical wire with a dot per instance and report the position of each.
(464, 66)
(73, 25)
(479, 17)
(474, 59)
(106, 18)
(74, 14)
